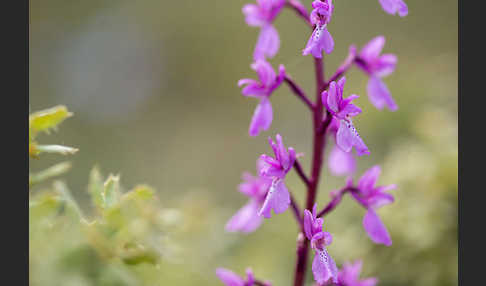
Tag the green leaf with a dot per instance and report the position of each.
(111, 191)
(96, 187)
(48, 173)
(47, 119)
(57, 149)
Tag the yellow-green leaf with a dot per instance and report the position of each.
(111, 191)
(57, 149)
(47, 119)
(96, 187)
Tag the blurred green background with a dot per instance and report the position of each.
(152, 85)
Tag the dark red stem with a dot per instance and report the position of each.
(335, 201)
(318, 149)
(300, 10)
(345, 66)
(300, 172)
(299, 92)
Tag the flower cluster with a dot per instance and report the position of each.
(333, 116)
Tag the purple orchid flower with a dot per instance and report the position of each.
(372, 198)
(394, 6)
(376, 66)
(230, 278)
(323, 266)
(339, 162)
(268, 82)
(342, 110)
(247, 220)
(349, 274)
(278, 197)
(262, 15)
(320, 39)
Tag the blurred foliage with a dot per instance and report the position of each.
(153, 86)
(129, 231)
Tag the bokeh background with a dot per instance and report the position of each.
(152, 85)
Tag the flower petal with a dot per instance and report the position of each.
(385, 65)
(333, 98)
(229, 278)
(311, 47)
(341, 163)
(278, 199)
(250, 277)
(379, 200)
(388, 6)
(246, 219)
(368, 179)
(253, 16)
(326, 42)
(379, 94)
(347, 137)
(253, 88)
(368, 282)
(402, 9)
(375, 228)
(324, 267)
(394, 6)
(320, 40)
(267, 44)
(373, 48)
(265, 72)
(308, 221)
(262, 117)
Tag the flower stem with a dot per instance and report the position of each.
(318, 150)
(299, 92)
(300, 10)
(300, 172)
(343, 68)
(335, 201)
